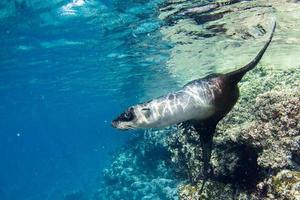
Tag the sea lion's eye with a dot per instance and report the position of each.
(128, 116)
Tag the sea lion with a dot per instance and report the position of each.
(201, 103)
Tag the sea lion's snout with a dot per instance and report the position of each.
(119, 125)
(114, 123)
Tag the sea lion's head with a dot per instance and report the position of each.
(125, 120)
(134, 117)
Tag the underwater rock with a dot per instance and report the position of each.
(267, 121)
(277, 129)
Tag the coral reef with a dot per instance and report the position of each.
(142, 170)
(266, 117)
(212, 190)
(276, 131)
(283, 185)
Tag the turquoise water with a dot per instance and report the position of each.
(66, 69)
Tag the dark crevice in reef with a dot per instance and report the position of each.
(246, 173)
(296, 158)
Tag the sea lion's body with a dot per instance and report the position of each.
(206, 99)
(209, 97)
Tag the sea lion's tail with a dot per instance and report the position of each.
(237, 75)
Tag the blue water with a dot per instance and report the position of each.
(66, 69)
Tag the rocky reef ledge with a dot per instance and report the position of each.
(257, 147)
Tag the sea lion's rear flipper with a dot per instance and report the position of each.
(206, 130)
(237, 75)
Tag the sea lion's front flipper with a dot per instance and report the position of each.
(185, 125)
(206, 130)
(206, 140)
